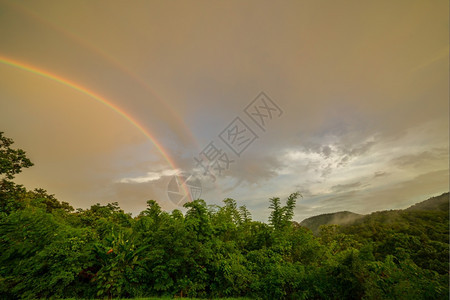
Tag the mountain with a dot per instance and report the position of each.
(337, 218)
(435, 203)
(438, 203)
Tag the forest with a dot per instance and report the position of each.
(51, 250)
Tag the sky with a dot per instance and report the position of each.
(346, 102)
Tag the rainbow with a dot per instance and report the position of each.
(111, 60)
(43, 73)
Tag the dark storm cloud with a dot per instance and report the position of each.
(425, 158)
(345, 187)
(326, 151)
(380, 174)
(256, 168)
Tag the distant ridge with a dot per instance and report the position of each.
(438, 203)
(435, 203)
(337, 218)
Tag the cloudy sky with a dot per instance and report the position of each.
(344, 101)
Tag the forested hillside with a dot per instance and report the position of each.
(435, 203)
(438, 203)
(48, 249)
(337, 218)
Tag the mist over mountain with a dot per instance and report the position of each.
(438, 203)
(337, 218)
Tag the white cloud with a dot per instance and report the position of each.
(151, 176)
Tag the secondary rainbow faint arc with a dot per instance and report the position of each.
(108, 58)
(59, 79)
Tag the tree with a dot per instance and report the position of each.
(49, 251)
(280, 216)
(276, 215)
(245, 214)
(11, 160)
(11, 163)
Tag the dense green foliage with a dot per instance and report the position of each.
(50, 250)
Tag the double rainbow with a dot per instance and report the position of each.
(91, 94)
